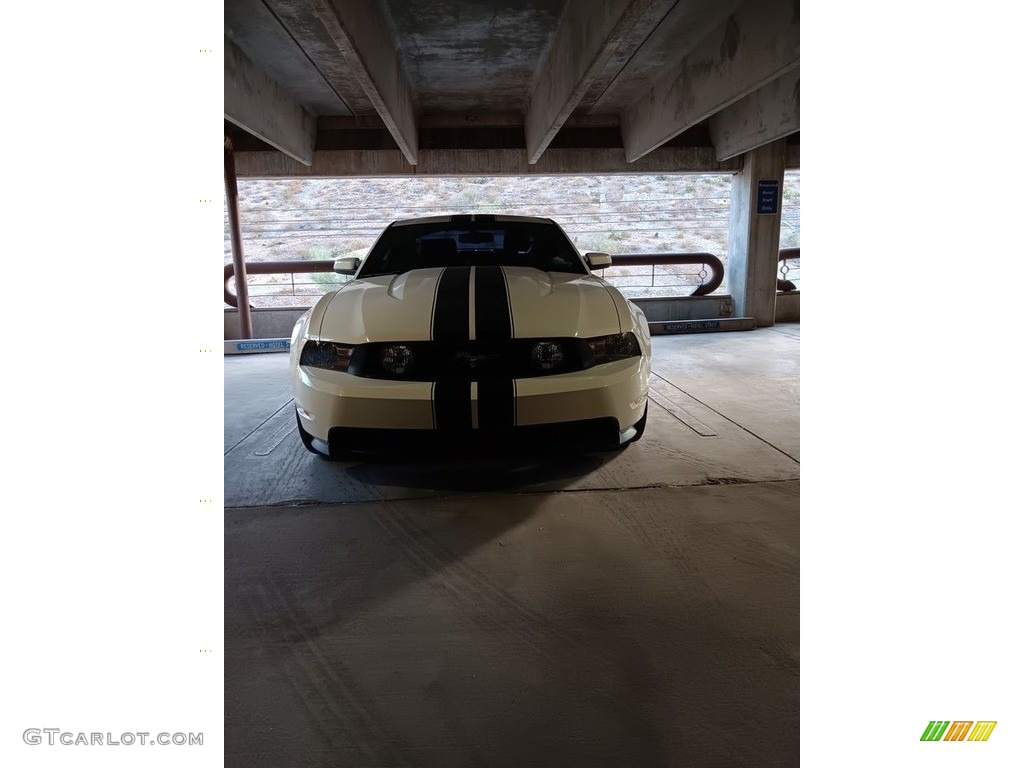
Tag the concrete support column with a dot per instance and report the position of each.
(237, 255)
(754, 237)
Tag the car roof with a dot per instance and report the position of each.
(466, 218)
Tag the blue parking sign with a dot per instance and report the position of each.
(767, 196)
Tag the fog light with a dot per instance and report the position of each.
(396, 359)
(547, 355)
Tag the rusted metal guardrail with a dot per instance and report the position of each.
(716, 273)
(706, 286)
(786, 254)
(274, 268)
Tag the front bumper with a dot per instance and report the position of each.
(338, 408)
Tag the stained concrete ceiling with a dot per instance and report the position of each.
(333, 87)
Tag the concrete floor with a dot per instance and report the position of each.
(637, 608)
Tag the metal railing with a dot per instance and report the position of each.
(705, 260)
(785, 281)
(293, 268)
(709, 278)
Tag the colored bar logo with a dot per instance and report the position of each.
(958, 730)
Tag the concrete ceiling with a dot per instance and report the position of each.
(331, 87)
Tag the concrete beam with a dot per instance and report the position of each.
(792, 157)
(588, 34)
(257, 104)
(470, 119)
(481, 162)
(360, 30)
(481, 120)
(769, 113)
(675, 35)
(755, 45)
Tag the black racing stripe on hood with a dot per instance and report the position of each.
(493, 313)
(452, 407)
(451, 305)
(496, 399)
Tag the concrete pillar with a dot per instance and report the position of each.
(754, 237)
(237, 255)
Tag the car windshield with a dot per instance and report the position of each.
(448, 244)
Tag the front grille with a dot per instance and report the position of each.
(468, 360)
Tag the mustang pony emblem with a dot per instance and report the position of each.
(473, 359)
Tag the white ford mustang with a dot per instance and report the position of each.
(462, 328)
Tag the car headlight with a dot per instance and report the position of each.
(619, 346)
(396, 359)
(326, 354)
(547, 355)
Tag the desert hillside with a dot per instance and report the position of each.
(328, 218)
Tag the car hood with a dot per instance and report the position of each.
(425, 303)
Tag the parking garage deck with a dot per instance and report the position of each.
(630, 608)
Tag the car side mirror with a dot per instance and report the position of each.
(347, 266)
(598, 260)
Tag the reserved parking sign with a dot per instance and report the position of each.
(767, 196)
